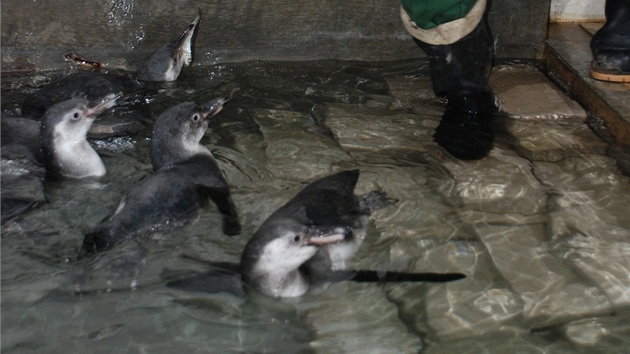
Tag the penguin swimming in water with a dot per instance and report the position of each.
(305, 243)
(186, 176)
(57, 146)
(276, 259)
(63, 131)
(164, 64)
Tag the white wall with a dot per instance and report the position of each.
(577, 11)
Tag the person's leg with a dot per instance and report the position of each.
(611, 44)
(460, 55)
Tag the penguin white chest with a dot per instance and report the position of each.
(75, 157)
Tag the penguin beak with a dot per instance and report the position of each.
(103, 104)
(213, 107)
(318, 238)
(188, 31)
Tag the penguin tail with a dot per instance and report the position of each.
(100, 238)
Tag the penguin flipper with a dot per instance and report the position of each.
(223, 200)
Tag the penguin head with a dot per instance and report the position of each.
(69, 121)
(178, 131)
(63, 141)
(283, 245)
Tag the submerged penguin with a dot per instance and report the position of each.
(186, 176)
(63, 131)
(305, 243)
(165, 64)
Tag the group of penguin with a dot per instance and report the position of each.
(308, 240)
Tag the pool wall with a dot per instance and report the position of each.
(36, 34)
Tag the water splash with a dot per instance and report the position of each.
(121, 16)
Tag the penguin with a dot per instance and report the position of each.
(166, 62)
(323, 213)
(62, 136)
(186, 176)
(303, 245)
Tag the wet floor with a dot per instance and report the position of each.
(541, 227)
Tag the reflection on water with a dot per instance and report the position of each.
(541, 227)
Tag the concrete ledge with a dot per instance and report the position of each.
(517, 86)
(567, 55)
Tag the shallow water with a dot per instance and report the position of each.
(541, 227)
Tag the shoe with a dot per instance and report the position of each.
(611, 44)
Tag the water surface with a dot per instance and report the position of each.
(541, 227)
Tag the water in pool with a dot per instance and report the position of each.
(541, 227)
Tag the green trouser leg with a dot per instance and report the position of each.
(428, 14)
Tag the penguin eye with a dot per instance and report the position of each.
(75, 115)
(195, 118)
(297, 238)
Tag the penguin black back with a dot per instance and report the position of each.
(327, 202)
(167, 195)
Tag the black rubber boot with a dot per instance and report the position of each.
(465, 129)
(460, 73)
(611, 44)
